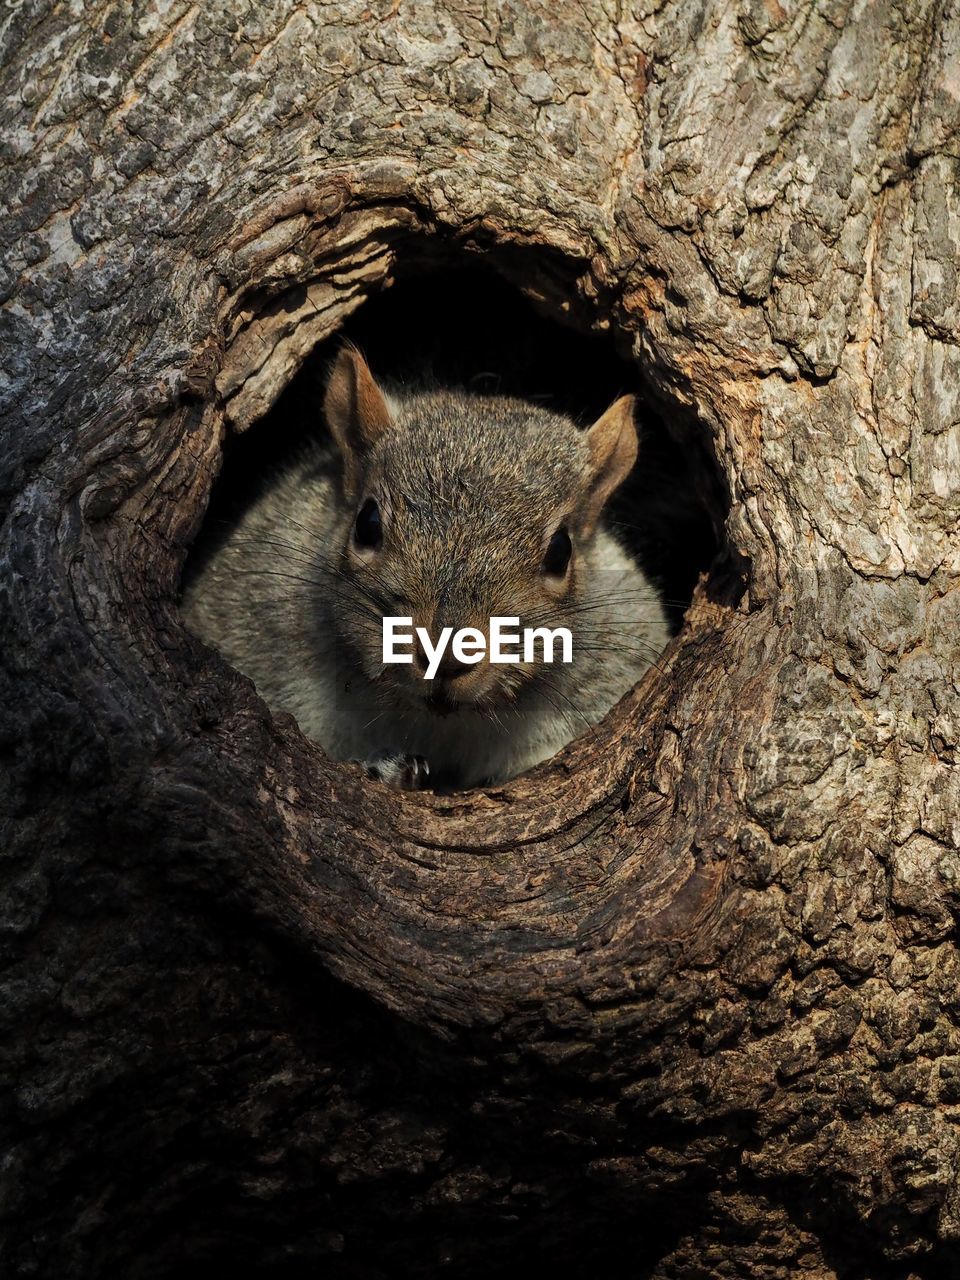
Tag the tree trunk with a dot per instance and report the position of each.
(683, 1002)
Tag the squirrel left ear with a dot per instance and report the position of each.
(612, 441)
(356, 412)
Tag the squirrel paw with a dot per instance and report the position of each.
(402, 772)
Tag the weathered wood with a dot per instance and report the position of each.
(688, 996)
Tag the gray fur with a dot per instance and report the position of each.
(469, 487)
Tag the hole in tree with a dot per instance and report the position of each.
(468, 328)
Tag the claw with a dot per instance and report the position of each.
(402, 772)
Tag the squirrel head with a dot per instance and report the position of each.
(460, 507)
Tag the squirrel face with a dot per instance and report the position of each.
(459, 508)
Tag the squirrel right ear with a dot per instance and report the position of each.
(356, 412)
(612, 441)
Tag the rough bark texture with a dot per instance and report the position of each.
(689, 997)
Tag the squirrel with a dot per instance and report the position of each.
(448, 508)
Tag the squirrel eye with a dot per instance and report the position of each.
(558, 552)
(368, 529)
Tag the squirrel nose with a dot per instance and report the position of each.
(448, 668)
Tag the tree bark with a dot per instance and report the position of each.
(686, 998)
